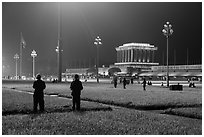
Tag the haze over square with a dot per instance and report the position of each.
(115, 23)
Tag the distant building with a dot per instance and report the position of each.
(87, 71)
(132, 57)
(174, 71)
(80, 71)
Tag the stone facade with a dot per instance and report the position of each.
(135, 55)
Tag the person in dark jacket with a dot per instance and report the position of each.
(124, 83)
(144, 84)
(38, 97)
(115, 79)
(131, 80)
(76, 87)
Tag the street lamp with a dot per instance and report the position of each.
(33, 54)
(167, 31)
(97, 42)
(59, 46)
(59, 60)
(57, 49)
(16, 57)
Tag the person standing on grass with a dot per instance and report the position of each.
(115, 81)
(38, 97)
(131, 80)
(144, 84)
(124, 83)
(76, 87)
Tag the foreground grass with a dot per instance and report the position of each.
(22, 103)
(99, 119)
(117, 122)
(60, 120)
(155, 98)
(133, 94)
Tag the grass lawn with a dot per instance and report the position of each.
(137, 113)
(133, 93)
(154, 98)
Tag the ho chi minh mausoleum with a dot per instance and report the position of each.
(133, 57)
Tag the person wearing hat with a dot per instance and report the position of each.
(38, 97)
(76, 87)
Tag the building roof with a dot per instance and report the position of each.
(137, 46)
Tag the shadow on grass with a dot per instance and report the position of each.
(182, 114)
(143, 107)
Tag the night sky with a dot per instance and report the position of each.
(116, 23)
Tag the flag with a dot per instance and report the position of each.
(23, 43)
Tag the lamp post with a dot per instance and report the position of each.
(167, 31)
(33, 54)
(59, 58)
(59, 46)
(97, 42)
(16, 57)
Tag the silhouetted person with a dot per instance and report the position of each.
(149, 83)
(144, 84)
(124, 83)
(131, 80)
(76, 87)
(115, 81)
(38, 97)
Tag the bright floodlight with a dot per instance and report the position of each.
(33, 54)
(16, 56)
(98, 41)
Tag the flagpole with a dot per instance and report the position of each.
(22, 45)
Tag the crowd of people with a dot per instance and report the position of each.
(125, 82)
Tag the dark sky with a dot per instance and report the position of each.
(116, 23)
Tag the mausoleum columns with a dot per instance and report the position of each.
(148, 55)
(135, 55)
(125, 52)
(153, 56)
(123, 57)
(135, 52)
(132, 55)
